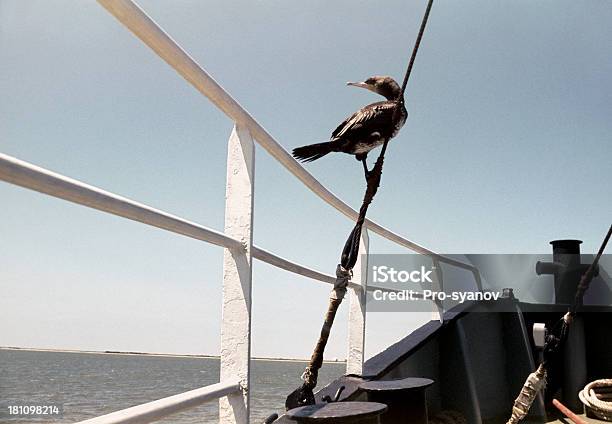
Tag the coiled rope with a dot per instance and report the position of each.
(592, 397)
(304, 395)
(553, 344)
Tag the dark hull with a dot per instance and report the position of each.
(480, 360)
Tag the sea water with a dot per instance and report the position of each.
(86, 385)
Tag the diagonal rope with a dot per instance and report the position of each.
(416, 48)
(588, 276)
(537, 380)
(304, 395)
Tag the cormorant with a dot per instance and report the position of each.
(367, 128)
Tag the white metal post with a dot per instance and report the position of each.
(438, 286)
(237, 275)
(357, 309)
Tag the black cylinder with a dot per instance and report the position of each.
(565, 267)
(338, 413)
(404, 397)
(566, 252)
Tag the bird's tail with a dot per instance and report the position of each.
(313, 151)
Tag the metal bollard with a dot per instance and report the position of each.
(339, 413)
(404, 397)
(566, 268)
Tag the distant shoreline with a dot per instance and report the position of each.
(165, 355)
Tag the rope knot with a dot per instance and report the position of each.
(343, 276)
(309, 378)
(343, 273)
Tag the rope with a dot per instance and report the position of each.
(351, 247)
(534, 383)
(304, 394)
(554, 342)
(593, 400)
(343, 275)
(417, 43)
(588, 276)
(316, 360)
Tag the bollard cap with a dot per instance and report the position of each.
(567, 246)
(336, 412)
(410, 383)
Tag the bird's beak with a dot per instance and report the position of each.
(361, 84)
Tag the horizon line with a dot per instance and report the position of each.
(169, 355)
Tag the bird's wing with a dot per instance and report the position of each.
(365, 120)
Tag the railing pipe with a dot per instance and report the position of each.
(277, 261)
(438, 286)
(27, 175)
(287, 265)
(30, 176)
(161, 408)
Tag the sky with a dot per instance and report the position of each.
(507, 146)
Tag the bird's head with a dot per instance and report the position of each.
(383, 85)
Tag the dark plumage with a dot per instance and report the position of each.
(367, 128)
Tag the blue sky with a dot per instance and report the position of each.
(507, 146)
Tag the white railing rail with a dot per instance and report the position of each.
(30, 176)
(27, 175)
(236, 238)
(161, 408)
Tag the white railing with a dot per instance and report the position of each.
(158, 409)
(27, 175)
(236, 238)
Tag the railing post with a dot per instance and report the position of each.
(237, 274)
(438, 286)
(357, 309)
(477, 278)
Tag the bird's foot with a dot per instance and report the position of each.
(366, 171)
